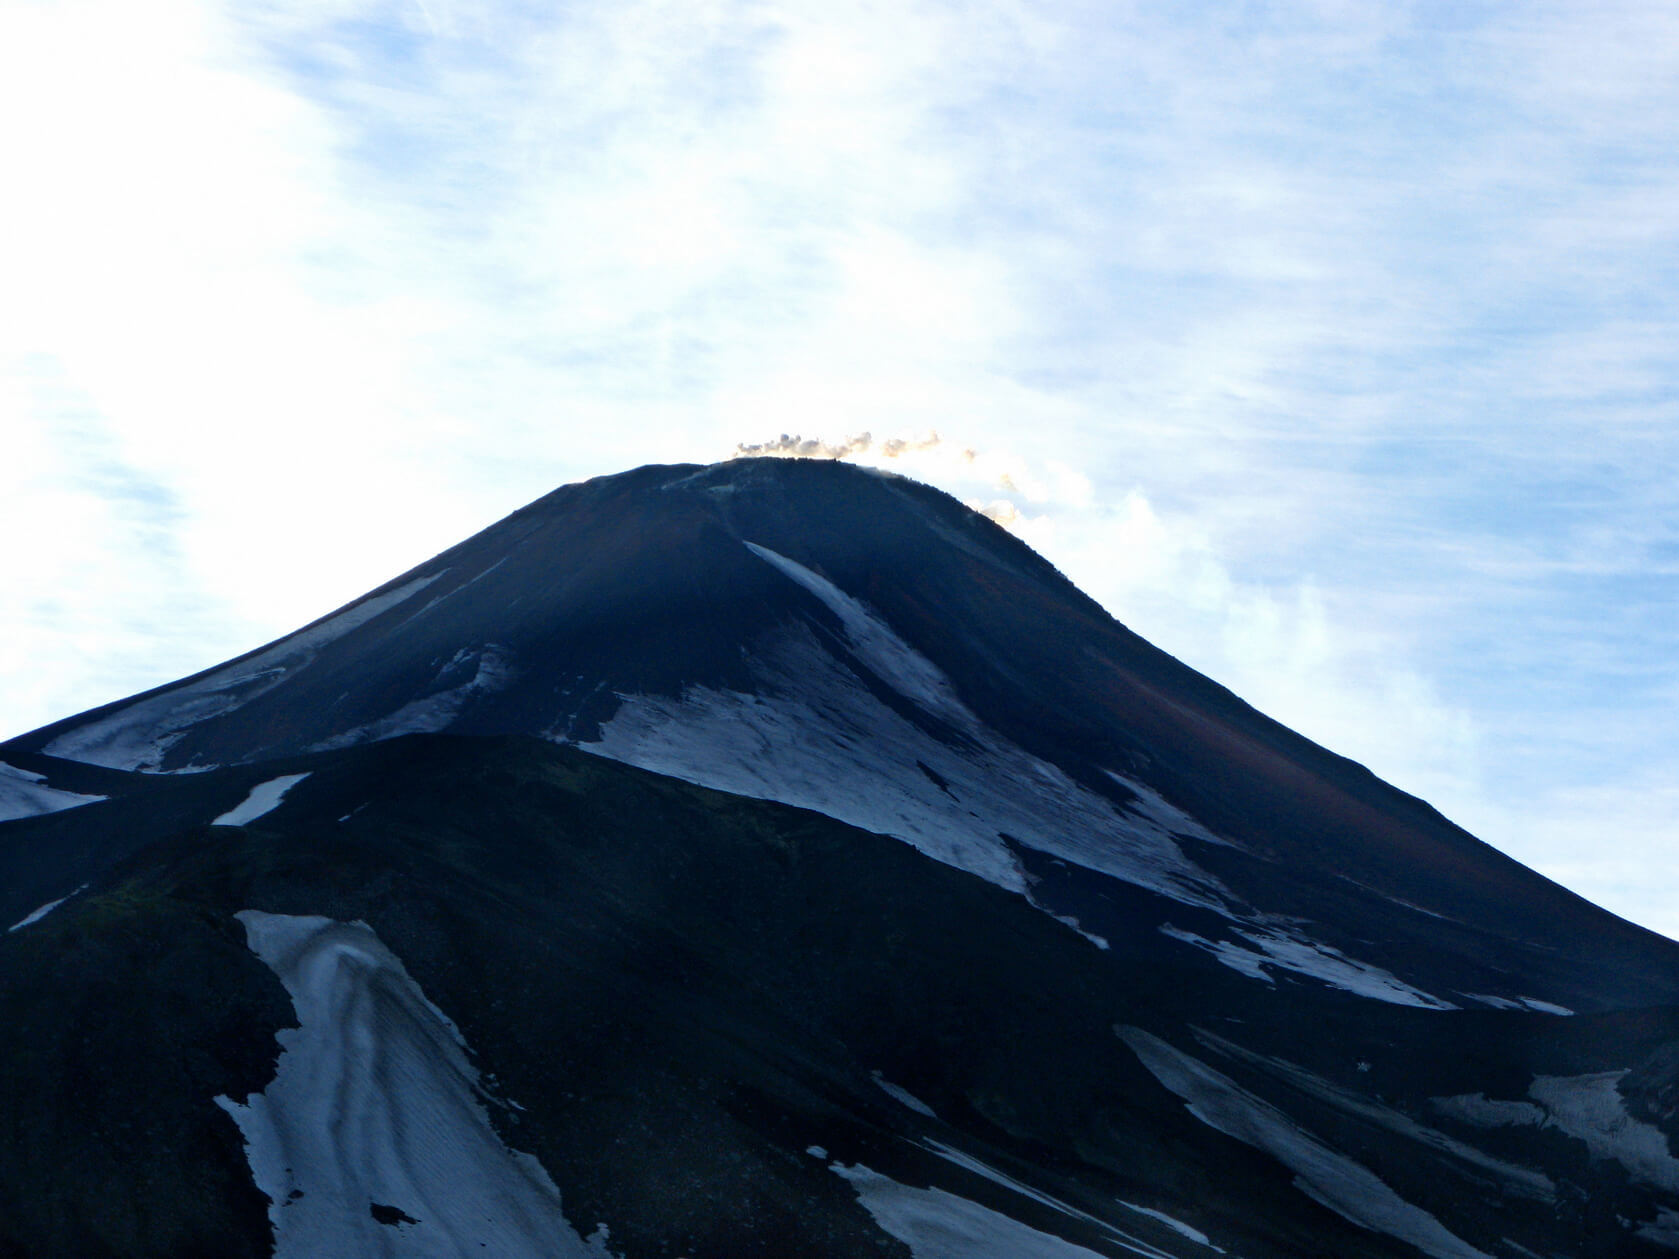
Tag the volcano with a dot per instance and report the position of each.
(777, 858)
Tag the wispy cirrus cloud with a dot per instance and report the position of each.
(1329, 345)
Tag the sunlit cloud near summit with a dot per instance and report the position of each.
(1328, 346)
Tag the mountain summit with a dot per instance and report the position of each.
(778, 858)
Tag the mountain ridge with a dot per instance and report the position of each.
(788, 860)
(646, 584)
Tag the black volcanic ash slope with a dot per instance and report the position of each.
(1178, 981)
(685, 991)
(576, 615)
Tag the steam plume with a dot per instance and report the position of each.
(793, 446)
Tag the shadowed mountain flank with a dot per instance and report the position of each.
(779, 858)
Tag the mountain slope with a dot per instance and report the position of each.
(792, 630)
(950, 909)
(675, 994)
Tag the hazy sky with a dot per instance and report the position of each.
(1330, 344)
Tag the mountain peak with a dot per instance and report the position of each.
(855, 642)
(798, 814)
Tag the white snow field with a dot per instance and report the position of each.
(814, 735)
(1323, 1174)
(137, 735)
(1591, 1108)
(817, 737)
(375, 1105)
(1588, 1107)
(264, 798)
(24, 793)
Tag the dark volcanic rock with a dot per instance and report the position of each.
(1070, 945)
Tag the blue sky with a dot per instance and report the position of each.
(1329, 344)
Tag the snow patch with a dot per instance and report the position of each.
(1588, 1107)
(1518, 1179)
(877, 644)
(1323, 1174)
(24, 793)
(493, 672)
(813, 735)
(264, 798)
(374, 1103)
(1287, 949)
(969, 1163)
(139, 734)
(36, 915)
(935, 1224)
(1067, 920)
(448, 594)
(1178, 1226)
(1477, 1110)
(1396, 900)
(903, 1096)
(1233, 955)
(1518, 1003)
(1150, 804)
(1591, 1108)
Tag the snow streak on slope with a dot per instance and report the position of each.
(1325, 1175)
(903, 1096)
(263, 798)
(137, 735)
(1519, 1003)
(35, 916)
(26, 794)
(1176, 1225)
(1589, 1107)
(493, 671)
(1278, 944)
(1524, 1181)
(372, 1138)
(1119, 1237)
(875, 643)
(813, 734)
(935, 1224)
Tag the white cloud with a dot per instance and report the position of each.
(1610, 840)
(1296, 652)
(1331, 342)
